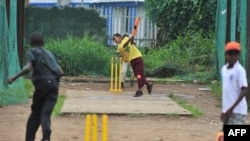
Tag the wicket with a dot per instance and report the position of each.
(116, 74)
(91, 128)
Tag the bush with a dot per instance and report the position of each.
(192, 53)
(81, 56)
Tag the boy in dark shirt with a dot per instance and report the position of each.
(45, 78)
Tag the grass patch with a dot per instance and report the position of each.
(29, 87)
(170, 81)
(194, 110)
(216, 89)
(82, 56)
(193, 54)
(59, 104)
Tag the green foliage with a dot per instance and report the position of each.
(192, 53)
(216, 89)
(154, 8)
(190, 49)
(194, 110)
(59, 104)
(177, 16)
(81, 56)
(201, 75)
(29, 87)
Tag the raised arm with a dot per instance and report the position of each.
(26, 69)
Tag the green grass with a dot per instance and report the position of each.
(170, 81)
(29, 88)
(216, 89)
(61, 98)
(194, 54)
(196, 112)
(81, 56)
(59, 104)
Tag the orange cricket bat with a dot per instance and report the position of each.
(136, 24)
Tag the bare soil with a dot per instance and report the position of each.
(125, 128)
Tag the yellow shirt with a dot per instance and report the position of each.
(129, 52)
(133, 51)
(121, 50)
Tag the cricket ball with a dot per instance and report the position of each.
(138, 76)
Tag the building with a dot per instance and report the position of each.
(120, 16)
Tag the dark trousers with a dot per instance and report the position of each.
(44, 99)
(138, 69)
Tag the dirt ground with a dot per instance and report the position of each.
(125, 128)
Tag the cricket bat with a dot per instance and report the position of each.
(134, 30)
(136, 24)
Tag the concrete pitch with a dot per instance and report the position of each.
(105, 102)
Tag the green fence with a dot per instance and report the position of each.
(60, 22)
(231, 25)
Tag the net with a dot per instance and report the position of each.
(14, 93)
(220, 33)
(243, 31)
(73, 21)
(236, 29)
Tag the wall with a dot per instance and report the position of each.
(120, 19)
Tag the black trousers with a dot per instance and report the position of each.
(44, 100)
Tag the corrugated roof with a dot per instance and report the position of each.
(85, 1)
(105, 1)
(42, 1)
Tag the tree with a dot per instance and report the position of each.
(174, 17)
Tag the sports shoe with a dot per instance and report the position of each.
(138, 93)
(149, 87)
